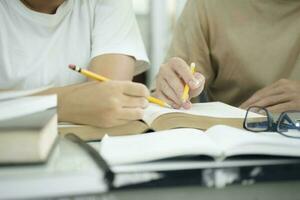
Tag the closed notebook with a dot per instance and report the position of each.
(218, 142)
(29, 138)
(201, 116)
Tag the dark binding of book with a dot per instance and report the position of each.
(241, 171)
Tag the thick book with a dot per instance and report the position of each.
(29, 138)
(219, 143)
(201, 116)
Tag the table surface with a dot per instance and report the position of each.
(263, 191)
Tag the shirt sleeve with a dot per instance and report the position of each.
(191, 39)
(115, 31)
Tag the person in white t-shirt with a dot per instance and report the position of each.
(39, 39)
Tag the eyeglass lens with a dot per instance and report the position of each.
(257, 123)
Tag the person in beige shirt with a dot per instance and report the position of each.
(247, 53)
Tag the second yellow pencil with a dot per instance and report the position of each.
(186, 90)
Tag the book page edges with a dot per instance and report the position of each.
(34, 148)
(91, 133)
(181, 120)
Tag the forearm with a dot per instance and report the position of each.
(114, 66)
(62, 102)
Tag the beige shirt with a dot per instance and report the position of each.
(240, 46)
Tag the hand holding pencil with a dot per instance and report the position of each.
(186, 91)
(178, 82)
(101, 78)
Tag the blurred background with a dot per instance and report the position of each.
(156, 19)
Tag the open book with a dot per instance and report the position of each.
(200, 116)
(218, 142)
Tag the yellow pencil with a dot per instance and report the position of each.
(186, 90)
(98, 77)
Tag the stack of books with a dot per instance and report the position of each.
(28, 127)
(34, 161)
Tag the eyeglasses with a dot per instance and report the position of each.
(287, 124)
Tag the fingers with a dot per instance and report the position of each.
(183, 70)
(134, 102)
(280, 87)
(272, 100)
(261, 94)
(280, 96)
(169, 87)
(187, 105)
(160, 94)
(171, 94)
(175, 84)
(198, 91)
(173, 77)
(135, 89)
(279, 108)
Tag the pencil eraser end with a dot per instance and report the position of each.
(72, 66)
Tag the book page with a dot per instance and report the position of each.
(211, 109)
(156, 146)
(236, 141)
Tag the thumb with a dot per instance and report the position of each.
(198, 90)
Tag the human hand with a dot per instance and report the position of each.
(172, 78)
(281, 96)
(105, 104)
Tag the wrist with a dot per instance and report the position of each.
(64, 104)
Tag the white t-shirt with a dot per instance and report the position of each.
(36, 48)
